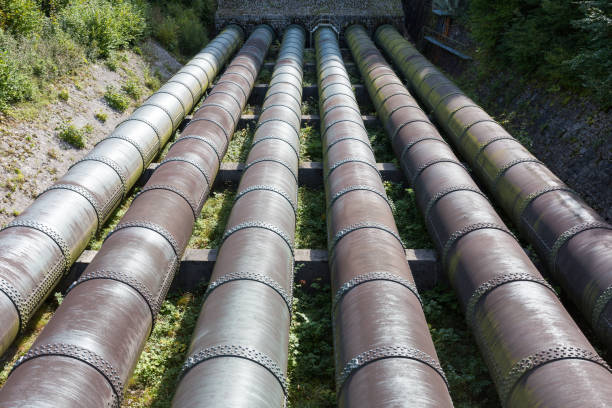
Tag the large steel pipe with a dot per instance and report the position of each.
(88, 350)
(42, 243)
(383, 351)
(238, 354)
(571, 237)
(536, 354)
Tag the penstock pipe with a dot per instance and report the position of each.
(89, 349)
(40, 245)
(536, 354)
(383, 350)
(573, 240)
(239, 351)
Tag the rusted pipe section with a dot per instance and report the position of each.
(383, 351)
(570, 237)
(88, 350)
(42, 243)
(238, 355)
(536, 354)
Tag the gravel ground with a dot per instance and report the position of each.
(32, 157)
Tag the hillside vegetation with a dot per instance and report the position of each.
(44, 40)
(561, 42)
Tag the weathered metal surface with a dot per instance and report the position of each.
(571, 237)
(88, 350)
(238, 354)
(41, 243)
(536, 354)
(383, 351)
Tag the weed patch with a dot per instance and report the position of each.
(74, 136)
(310, 229)
(210, 225)
(239, 147)
(116, 100)
(409, 222)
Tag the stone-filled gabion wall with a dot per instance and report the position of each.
(280, 13)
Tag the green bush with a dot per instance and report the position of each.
(550, 40)
(73, 135)
(132, 88)
(21, 17)
(116, 100)
(103, 25)
(14, 85)
(182, 26)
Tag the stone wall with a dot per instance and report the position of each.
(279, 14)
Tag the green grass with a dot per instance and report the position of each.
(101, 116)
(310, 229)
(63, 95)
(468, 377)
(310, 144)
(409, 221)
(116, 100)
(310, 106)
(25, 340)
(311, 364)
(383, 151)
(74, 136)
(132, 88)
(239, 146)
(155, 378)
(264, 76)
(210, 225)
(111, 223)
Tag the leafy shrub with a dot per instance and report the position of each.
(103, 25)
(132, 88)
(21, 17)
(14, 85)
(63, 94)
(551, 40)
(116, 100)
(73, 135)
(101, 116)
(181, 25)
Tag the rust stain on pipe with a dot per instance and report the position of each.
(383, 351)
(536, 354)
(574, 241)
(88, 350)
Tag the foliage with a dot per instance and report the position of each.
(310, 144)
(593, 64)
(73, 135)
(63, 94)
(407, 216)
(210, 225)
(156, 375)
(239, 146)
(310, 229)
(467, 374)
(132, 88)
(551, 40)
(181, 26)
(111, 223)
(116, 100)
(14, 85)
(311, 365)
(21, 17)
(103, 25)
(381, 144)
(101, 116)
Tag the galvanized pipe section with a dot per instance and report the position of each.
(42, 243)
(88, 350)
(571, 237)
(383, 351)
(238, 355)
(535, 352)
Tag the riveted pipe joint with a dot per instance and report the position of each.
(88, 350)
(536, 354)
(40, 245)
(573, 240)
(383, 351)
(238, 354)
